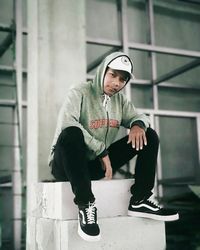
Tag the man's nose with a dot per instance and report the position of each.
(117, 82)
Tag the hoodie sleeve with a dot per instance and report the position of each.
(131, 116)
(69, 115)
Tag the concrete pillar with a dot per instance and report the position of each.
(56, 61)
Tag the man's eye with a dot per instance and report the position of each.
(123, 80)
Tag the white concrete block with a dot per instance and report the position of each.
(55, 200)
(31, 233)
(119, 233)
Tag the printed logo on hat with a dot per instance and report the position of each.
(125, 60)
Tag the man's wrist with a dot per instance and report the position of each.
(139, 123)
(103, 154)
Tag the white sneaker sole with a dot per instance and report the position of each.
(86, 236)
(154, 216)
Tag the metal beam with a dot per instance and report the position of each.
(177, 181)
(7, 28)
(198, 139)
(124, 26)
(150, 12)
(190, 1)
(165, 50)
(9, 124)
(169, 85)
(124, 32)
(153, 60)
(7, 85)
(4, 68)
(165, 84)
(17, 138)
(10, 69)
(5, 179)
(6, 44)
(106, 42)
(6, 185)
(177, 71)
(146, 47)
(7, 103)
(171, 113)
(11, 103)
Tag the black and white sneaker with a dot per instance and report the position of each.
(148, 209)
(88, 227)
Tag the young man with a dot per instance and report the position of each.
(83, 148)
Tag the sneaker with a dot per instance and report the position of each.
(149, 209)
(88, 227)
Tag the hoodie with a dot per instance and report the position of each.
(96, 114)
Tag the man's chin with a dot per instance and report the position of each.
(108, 93)
(111, 93)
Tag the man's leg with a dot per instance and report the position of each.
(120, 153)
(70, 163)
(146, 167)
(140, 205)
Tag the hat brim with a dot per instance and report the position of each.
(120, 69)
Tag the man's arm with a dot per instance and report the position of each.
(106, 165)
(137, 123)
(131, 116)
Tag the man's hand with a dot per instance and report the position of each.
(106, 165)
(137, 137)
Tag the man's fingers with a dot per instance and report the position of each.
(133, 143)
(108, 173)
(129, 140)
(138, 141)
(144, 139)
(141, 142)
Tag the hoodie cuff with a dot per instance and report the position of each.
(103, 154)
(139, 123)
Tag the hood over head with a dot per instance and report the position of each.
(116, 61)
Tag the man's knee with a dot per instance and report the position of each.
(152, 136)
(71, 135)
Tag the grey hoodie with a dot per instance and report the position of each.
(97, 115)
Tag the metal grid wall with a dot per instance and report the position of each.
(16, 106)
(155, 82)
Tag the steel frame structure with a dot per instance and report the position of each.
(155, 81)
(14, 38)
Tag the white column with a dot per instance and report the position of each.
(56, 61)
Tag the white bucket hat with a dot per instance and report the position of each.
(122, 63)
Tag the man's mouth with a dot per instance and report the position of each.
(113, 91)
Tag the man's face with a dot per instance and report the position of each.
(114, 81)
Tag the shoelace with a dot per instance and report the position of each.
(90, 212)
(153, 203)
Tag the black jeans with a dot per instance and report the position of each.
(70, 164)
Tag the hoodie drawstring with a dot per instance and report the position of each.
(105, 101)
